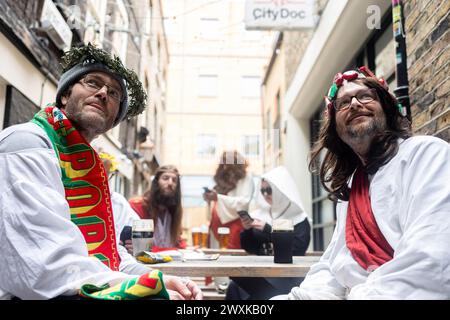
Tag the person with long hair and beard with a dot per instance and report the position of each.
(232, 193)
(162, 203)
(393, 199)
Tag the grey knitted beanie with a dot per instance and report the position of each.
(74, 74)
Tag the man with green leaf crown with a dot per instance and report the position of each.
(57, 233)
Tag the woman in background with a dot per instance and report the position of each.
(281, 200)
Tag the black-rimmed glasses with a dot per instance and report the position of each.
(94, 84)
(363, 96)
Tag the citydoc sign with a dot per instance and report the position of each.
(279, 14)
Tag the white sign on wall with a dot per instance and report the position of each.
(279, 14)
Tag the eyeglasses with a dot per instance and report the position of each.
(363, 96)
(267, 190)
(94, 84)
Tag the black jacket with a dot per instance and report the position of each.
(260, 243)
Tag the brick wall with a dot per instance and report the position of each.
(428, 49)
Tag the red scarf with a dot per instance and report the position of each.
(363, 237)
(85, 183)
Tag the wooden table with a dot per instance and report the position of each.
(242, 252)
(238, 266)
(226, 252)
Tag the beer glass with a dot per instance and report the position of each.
(224, 237)
(196, 236)
(142, 235)
(205, 232)
(282, 240)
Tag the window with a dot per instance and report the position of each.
(206, 145)
(120, 39)
(250, 87)
(18, 108)
(379, 53)
(324, 210)
(209, 28)
(207, 85)
(192, 190)
(250, 145)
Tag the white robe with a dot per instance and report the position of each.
(124, 215)
(43, 253)
(236, 200)
(410, 199)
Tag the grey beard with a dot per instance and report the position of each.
(361, 133)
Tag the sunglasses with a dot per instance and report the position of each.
(267, 190)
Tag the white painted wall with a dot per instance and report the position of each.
(16, 70)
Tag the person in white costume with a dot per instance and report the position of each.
(278, 199)
(232, 193)
(124, 215)
(393, 211)
(44, 253)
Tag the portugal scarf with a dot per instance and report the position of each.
(362, 234)
(85, 183)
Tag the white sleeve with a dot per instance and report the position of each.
(128, 263)
(229, 205)
(420, 267)
(320, 282)
(44, 254)
(124, 215)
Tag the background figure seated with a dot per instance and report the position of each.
(279, 199)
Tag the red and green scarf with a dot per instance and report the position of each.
(87, 193)
(85, 183)
(363, 237)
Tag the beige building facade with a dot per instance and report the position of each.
(213, 101)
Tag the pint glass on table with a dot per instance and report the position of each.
(224, 237)
(282, 239)
(196, 236)
(205, 232)
(142, 235)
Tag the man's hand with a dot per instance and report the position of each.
(182, 288)
(246, 223)
(210, 196)
(128, 245)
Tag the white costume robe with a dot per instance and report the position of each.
(43, 253)
(410, 199)
(235, 200)
(124, 215)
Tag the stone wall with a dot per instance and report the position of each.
(428, 42)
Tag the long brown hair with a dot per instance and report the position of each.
(151, 206)
(231, 169)
(340, 160)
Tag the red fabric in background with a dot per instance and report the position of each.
(363, 237)
(235, 228)
(136, 205)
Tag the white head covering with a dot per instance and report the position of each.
(286, 203)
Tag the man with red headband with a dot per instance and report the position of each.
(393, 199)
(57, 237)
